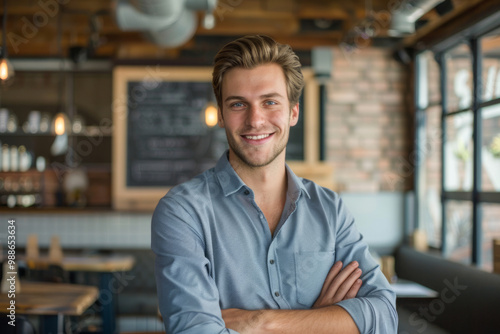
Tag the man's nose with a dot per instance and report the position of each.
(255, 116)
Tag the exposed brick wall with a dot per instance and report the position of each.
(369, 124)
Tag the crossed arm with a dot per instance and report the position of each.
(189, 297)
(325, 317)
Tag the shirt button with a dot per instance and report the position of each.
(271, 261)
(277, 294)
(247, 192)
(261, 216)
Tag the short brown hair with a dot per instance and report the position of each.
(251, 51)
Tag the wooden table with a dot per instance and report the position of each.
(51, 301)
(98, 263)
(95, 263)
(107, 266)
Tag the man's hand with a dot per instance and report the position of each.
(340, 284)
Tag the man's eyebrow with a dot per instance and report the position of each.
(269, 95)
(264, 96)
(234, 97)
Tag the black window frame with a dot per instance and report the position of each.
(472, 37)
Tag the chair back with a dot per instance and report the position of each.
(23, 326)
(52, 273)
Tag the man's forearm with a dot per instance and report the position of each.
(330, 319)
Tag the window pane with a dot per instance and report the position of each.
(491, 148)
(428, 79)
(490, 46)
(458, 152)
(491, 230)
(459, 78)
(459, 231)
(430, 177)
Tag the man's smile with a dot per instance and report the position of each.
(257, 138)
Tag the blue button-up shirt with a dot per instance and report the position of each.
(214, 250)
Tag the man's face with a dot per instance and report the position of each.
(256, 114)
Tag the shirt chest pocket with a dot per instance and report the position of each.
(311, 269)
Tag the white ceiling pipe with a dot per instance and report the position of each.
(404, 17)
(177, 33)
(420, 7)
(129, 17)
(206, 5)
(414, 9)
(167, 23)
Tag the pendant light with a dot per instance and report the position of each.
(211, 114)
(6, 68)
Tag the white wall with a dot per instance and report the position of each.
(85, 230)
(379, 217)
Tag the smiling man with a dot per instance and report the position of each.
(249, 247)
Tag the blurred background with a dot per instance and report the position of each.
(105, 105)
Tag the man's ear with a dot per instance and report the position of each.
(220, 119)
(294, 115)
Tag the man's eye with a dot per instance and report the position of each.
(270, 103)
(237, 105)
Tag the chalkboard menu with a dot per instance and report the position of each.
(167, 139)
(160, 138)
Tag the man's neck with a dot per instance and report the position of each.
(269, 184)
(269, 181)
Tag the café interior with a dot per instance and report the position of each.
(106, 105)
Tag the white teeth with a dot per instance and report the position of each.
(257, 137)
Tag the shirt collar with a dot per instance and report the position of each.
(295, 184)
(230, 181)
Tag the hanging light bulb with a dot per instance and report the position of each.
(211, 115)
(61, 124)
(6, 70)
(61, 128)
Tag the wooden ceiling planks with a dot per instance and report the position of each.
(33, 27)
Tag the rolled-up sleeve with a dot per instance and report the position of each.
(188, 295)
(374, 308)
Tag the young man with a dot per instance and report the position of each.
(249, 247)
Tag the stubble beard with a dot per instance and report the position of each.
(239, 152)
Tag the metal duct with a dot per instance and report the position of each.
(168, 23)
(404, 16)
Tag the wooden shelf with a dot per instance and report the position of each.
(47, 185)
(89, 131)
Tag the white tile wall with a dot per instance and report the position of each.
(83, 230)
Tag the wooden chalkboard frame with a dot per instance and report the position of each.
(146, 198)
